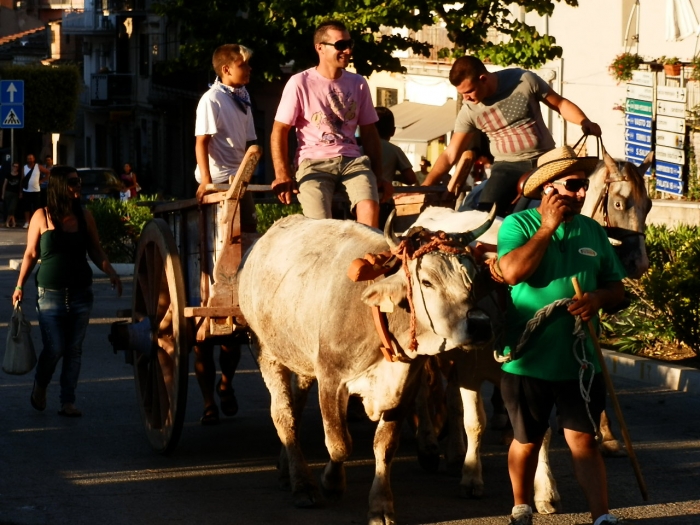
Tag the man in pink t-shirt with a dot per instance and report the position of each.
(326, 104)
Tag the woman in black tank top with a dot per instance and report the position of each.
(62, 235)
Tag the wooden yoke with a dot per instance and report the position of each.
(220, 299)
(464, 166)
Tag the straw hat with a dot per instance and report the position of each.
(554, 164)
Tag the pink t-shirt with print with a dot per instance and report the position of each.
(326, 113)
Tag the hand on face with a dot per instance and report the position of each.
(560, 204)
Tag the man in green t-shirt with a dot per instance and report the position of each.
(540, 250)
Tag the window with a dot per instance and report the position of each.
(144, 55)
(387, 97)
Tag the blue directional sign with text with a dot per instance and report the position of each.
(673, 186)
(637, 135)
(637, 161)
(636, 150)
(11, 92)
(637, 121)
(668, 170)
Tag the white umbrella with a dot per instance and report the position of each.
(681, 21)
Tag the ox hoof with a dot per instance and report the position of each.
(472, 491)
(381, 518)
(333, 481)
(612, 449)
(305, 498)
(454, 468)
(548, 507)
(429, 461)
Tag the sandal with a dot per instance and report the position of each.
(210, 416)
(229, 404)
(69, 410)
(38, 397)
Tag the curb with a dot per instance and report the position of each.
(650, 371)
(122, 269)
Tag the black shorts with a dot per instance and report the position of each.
(529, 402)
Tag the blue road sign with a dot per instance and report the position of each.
(11, 91)
(638, 136)
(669, 185)
(11, 116)
(636, 150)
(637, 161)
(637, 121)
(668, 170)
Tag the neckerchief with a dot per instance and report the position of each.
(239, 95)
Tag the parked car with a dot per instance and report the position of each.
(99, 183)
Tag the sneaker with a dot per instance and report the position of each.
(608, 519)
(521, 515)
(26, 225)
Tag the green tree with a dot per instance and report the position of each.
(280, 31)
(51, 95)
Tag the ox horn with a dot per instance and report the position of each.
(389, 236)
(467, 237)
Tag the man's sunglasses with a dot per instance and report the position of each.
(573, 185)
(341, 45)
(73, 182)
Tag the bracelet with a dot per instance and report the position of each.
(18, 288)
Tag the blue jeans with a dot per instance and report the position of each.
(63, 319)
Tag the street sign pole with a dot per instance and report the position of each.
(12, 144)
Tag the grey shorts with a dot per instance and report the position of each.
(320, 179)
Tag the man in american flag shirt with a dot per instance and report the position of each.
(505, 105)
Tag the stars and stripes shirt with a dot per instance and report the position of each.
(511, 118)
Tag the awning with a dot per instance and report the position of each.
(423, 122)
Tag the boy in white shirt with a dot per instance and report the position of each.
(223, 129)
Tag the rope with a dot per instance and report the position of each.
(415, 246)
(579, 350)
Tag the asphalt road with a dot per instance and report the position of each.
(100, 468)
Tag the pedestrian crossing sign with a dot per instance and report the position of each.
(12, 116)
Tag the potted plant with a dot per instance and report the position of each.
(622, 66)
(695, 68)
(672, 66)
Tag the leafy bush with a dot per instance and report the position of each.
(665, 309)
(267, 214)
(119, 225)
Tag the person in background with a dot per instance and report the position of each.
(31, 195)
(62, 235)
(224, 127)
(130, 181)
(11, 193)
(44, 179)
(394, 160)
(424, 170)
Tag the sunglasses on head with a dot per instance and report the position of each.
(341, 45)
(573, 185)
(73, 182)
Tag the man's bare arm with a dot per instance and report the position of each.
(283, 185)
(571, 113)
(448, 158)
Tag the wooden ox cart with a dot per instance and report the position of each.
(180, 297)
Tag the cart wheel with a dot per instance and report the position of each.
(161, 372)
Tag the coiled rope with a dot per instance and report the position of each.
(579, 350)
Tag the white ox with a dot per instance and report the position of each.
(311, 321)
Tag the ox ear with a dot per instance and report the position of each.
(644, 166)
(392, 289)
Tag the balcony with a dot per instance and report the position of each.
(86, 23)
(110, 89)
